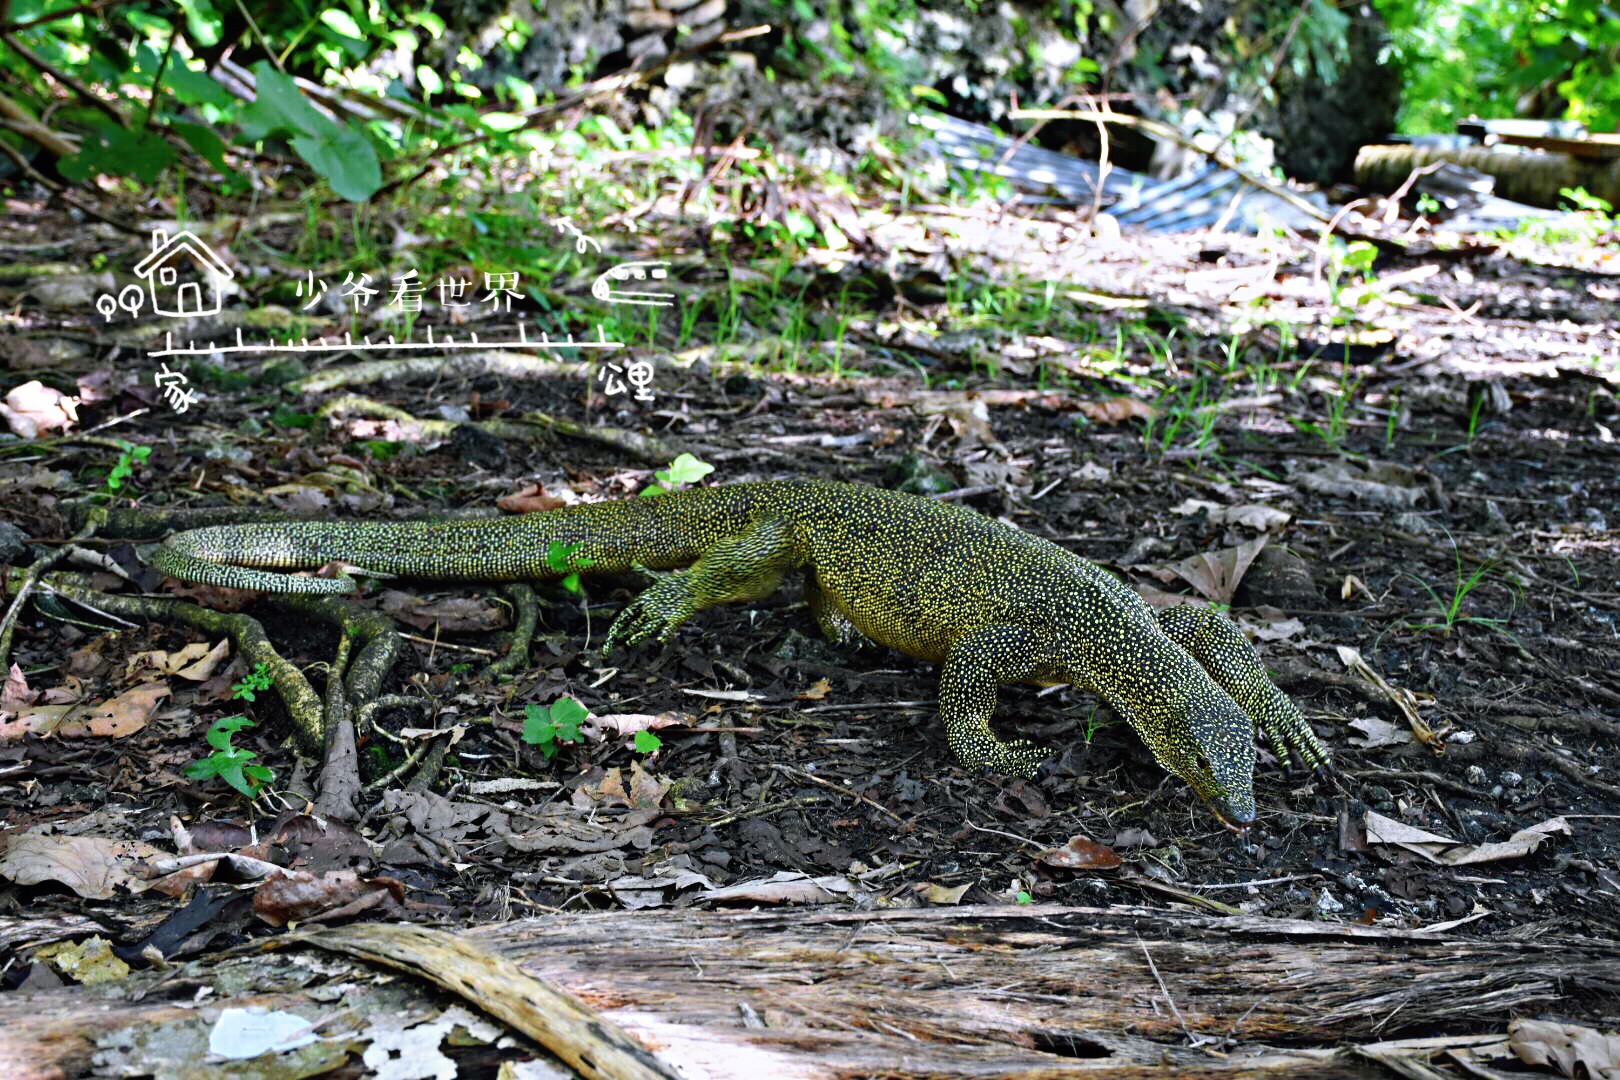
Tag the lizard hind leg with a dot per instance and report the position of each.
(835, 625)
(1220, 647)
(743, 567)
(978, 663)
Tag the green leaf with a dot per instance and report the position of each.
(280, 107)
(685, 469)
(343, 23)
(203, 23)
(567, 714)
(428, 80)
(346, 160)
(537, 728)
(501, 121)
(647, 742)
(114, 151)
(219, 735)
(800, 225)
(197, 87)
(287, 418)
(209, 146)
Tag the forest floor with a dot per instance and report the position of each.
(1405, 483)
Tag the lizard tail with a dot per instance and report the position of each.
(658, 534)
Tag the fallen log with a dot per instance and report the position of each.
(1535, 179)
(1036, 991)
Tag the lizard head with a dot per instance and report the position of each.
(1209, 742)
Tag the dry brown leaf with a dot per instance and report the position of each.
(1375, 733)
(113, 719)
(783, 887)
(195, 662)
(1445, 851)
(816, 692)
(529, 500)
(620, 724)
(969, 419)
(299, 896)
(1082, 853)
(1520, 844)
(452, 614)
(116, 718)
(931, 893)
(1403, 699)
(33, 408)
(1379, 484)
(1117, 410)
(95, 867)
(1255, 516)
(390, 429)
(1217, 574)
(1574, 1050)
(90, 961)
(646, 790)
(15, 694)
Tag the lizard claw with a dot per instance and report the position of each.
(657, 611)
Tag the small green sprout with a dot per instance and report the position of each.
(684, 470)
(647, 742)
(227, 763)
(545, 726)
(252, 684)
(1023, 897)
(124, 467)
(561, 557)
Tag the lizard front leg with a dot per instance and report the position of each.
(1220, 647)
(744, 567)
(978, 663)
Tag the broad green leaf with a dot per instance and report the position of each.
(568, 714)
(686, 469)
(346, 160)
(281, 107)
(502, 121)
(112, 150)
(429, 80)
(203, 140)
(343, 23)
(197, 87)
(203, 22)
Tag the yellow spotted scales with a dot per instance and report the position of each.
(937, 581)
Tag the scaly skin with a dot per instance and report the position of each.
(937, 581)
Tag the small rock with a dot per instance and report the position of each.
(1476, 775)
(13, 543)
(1512, 779)
(1327, 904)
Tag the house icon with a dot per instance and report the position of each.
(166, 266)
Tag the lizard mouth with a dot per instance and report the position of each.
(1234, 821)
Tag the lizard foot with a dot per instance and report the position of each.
(657, 612)
(1289, 734)
(1015, 757)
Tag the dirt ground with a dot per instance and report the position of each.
(1475, 435)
